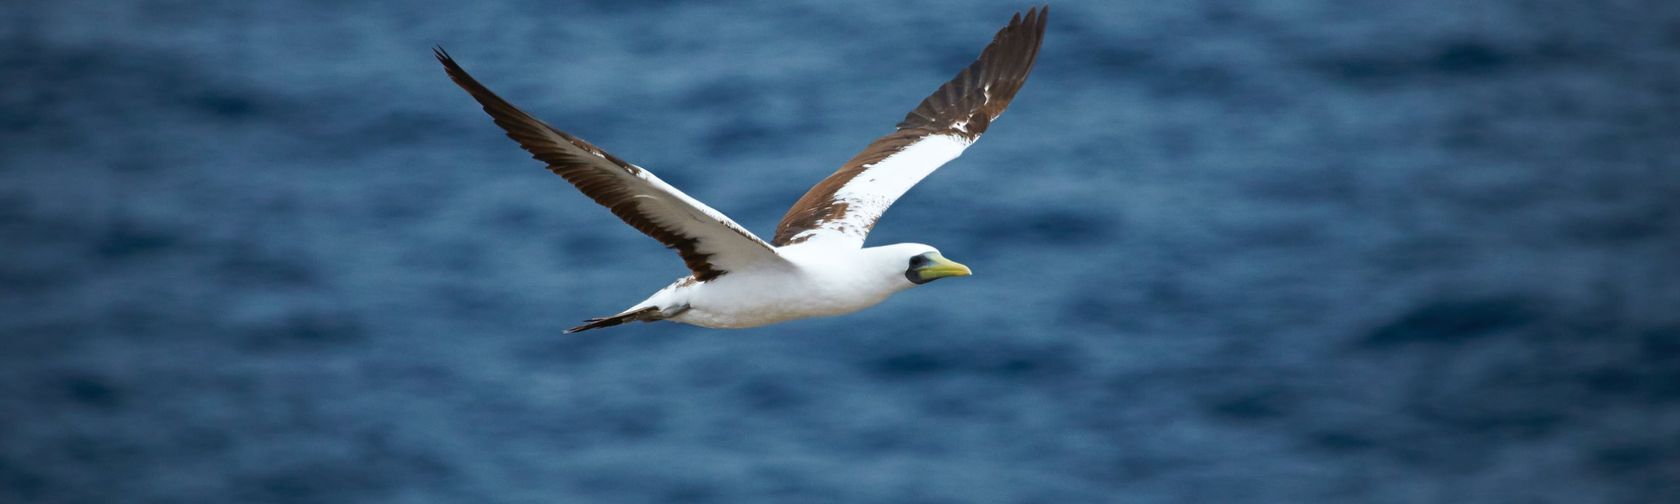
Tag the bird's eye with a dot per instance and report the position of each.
(918, 261)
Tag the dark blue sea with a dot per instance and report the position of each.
(1282, 251)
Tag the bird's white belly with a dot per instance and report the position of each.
(737, 301)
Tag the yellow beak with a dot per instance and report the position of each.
(939, 267)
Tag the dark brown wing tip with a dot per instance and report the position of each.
(448, 62)
(1042, 19)
(985, 87)
(1032, 27)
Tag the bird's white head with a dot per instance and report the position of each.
(916, 263)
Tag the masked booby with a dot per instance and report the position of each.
(815, 265)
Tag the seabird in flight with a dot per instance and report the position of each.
(815, 265)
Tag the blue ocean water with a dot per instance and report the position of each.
(1269, 251)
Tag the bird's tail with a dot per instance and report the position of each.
(648, 314)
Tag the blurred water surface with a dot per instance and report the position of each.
(1269, 251)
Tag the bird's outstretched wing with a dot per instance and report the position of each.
(840, 210)
(709, 242)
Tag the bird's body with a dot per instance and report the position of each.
(813, 282)
(816, 264)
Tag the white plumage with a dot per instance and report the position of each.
(812, 281)
(816, 264)
(868, 194)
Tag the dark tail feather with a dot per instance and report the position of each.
(648, 314)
